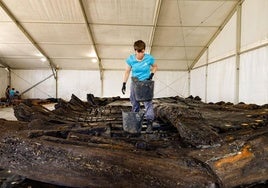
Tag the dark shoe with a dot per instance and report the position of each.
(149, 129)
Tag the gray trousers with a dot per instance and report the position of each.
(149, 110)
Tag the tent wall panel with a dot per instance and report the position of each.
(254, 76)
(22, 80)
(112, 84)
(171, 83)
(225, 43)
(198, 83)
(4, 81)
(254, 18)
(221, 81)
(251, 59)
(167, 83)
(79, 83)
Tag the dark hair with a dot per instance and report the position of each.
(139, 45)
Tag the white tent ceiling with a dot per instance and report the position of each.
(70, 34)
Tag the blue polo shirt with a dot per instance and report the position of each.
(140, 69)
(11, 93)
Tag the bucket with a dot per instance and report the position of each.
(132, 121)
(144, 90)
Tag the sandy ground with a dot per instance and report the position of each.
(7, 113)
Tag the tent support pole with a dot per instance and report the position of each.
(206, 78)
(57, 89)
(189, 83)
(155, 20)
(237, 55)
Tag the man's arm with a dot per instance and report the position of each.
(127, 73)
(154, 68)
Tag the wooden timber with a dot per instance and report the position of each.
(82, 144)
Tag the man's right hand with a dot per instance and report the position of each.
(151, 76)
(124, 88)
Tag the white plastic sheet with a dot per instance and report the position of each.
(112, 84)
(167, 83)
(79, 83)
(198, 83)
(254, 76)
(225, 43)
(22, 80)
(171, 83)
(254, 23)
(221, 81)
(175, 30)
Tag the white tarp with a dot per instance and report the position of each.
(254, 77)
(175, 31)
(221, 81)
(253, 70)
(173, 83)
(22, 80)
(79, 83)
(254, 23)
(198, 83)
(225, 44)
(167, 83)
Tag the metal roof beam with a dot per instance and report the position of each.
(156, 15)
(90, 34)
(216, 33)
(14, 19)
(4, 64)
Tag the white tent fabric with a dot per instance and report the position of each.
(225, 44)
(254, 24)
(254, 77)
(171, 84)
(25, 79)
(79, 83)
(233, 61)
(221, 81)
(175, 31)
(198, 83)
(87, 42)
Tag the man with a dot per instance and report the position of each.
(11, 94)
(7, 94)
(143, 67)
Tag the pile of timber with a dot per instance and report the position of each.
(82, 144)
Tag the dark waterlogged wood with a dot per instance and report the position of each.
(82, 144)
